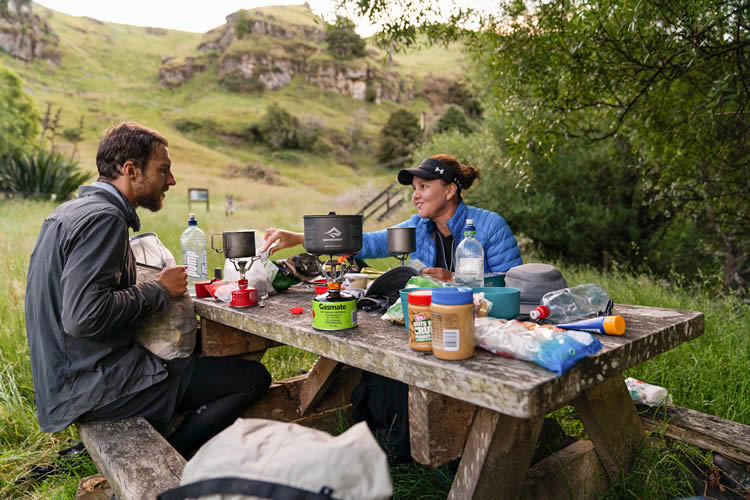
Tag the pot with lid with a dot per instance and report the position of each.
(333, 234)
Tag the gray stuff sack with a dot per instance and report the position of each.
(171, 333)
(257, 458)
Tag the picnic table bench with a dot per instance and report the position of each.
(488, 410)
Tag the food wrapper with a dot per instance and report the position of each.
(552, 348)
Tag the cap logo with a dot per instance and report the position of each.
(441, 170)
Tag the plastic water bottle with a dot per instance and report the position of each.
(470, 259)
(193, 243)
(568, 304)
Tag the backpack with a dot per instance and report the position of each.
(257, 458)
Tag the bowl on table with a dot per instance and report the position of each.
(506, 302)
(494, 279)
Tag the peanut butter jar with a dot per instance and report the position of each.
(452, 311)
(420, 323)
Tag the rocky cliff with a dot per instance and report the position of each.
(256, 51)
(23, 34)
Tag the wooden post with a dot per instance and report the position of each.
(497, 456)
(608, 415)
(438, 426)
(314, 388)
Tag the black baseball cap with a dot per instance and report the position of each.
(430, 168)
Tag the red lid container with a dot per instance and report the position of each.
(420, 297)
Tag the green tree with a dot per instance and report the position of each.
(398, 137)
(671, 78)
(342, 41)
(453, 119)
(19, 117)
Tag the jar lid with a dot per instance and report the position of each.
(452, 296)
(420, 297)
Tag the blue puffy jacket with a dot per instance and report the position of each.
(500, 248)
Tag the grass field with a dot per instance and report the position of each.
(109, 73)
(708, 374)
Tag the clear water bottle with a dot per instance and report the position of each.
(193, 244)
(568, 304)
(469, 259)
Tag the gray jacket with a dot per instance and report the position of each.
(81, 305)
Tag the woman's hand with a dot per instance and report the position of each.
(437, 273)
(285, 239)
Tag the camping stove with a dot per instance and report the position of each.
(243, 295)
(334, 235)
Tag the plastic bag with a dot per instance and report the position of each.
(395, 313)
(423, 282)
(552, 348)
(652, 395)
(261, 273)
(149, 250)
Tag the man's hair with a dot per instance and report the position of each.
(126, 141)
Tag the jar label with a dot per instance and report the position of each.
(451, 340)
(422, 328)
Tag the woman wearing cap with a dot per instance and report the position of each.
(441, 215)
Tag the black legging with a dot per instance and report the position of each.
(219, 391)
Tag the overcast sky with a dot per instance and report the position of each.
(195, 15)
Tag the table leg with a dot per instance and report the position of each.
(497, 456)
(609, 416)
(314, 388)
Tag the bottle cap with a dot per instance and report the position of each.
(296, 310)
(469, 222)
(191, 220)
(452, 296)
(420, 297)
(539, 312)
(614, 325)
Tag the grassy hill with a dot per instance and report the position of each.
(109, 73)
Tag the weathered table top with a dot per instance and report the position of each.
(516, 388)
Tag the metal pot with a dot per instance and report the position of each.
(402, 240)
(333, 234)
(236, 244)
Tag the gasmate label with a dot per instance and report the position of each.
(422, 328)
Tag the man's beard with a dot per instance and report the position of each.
(151, 201)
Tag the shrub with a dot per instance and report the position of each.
(280, 129)
(399, 136)
(242, 25)
(41, 174)
(343, 42)
(453, 118)
(19, 118)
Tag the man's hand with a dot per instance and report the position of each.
(286, 239)
(174, 279)
(437, 273)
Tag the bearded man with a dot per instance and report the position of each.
(83, 302)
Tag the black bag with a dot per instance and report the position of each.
(384, 404)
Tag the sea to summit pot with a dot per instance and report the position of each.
(236, 244)
(333, 234)
(401, 240)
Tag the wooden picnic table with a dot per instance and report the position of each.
(488, 409)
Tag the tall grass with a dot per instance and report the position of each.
(708, 374)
